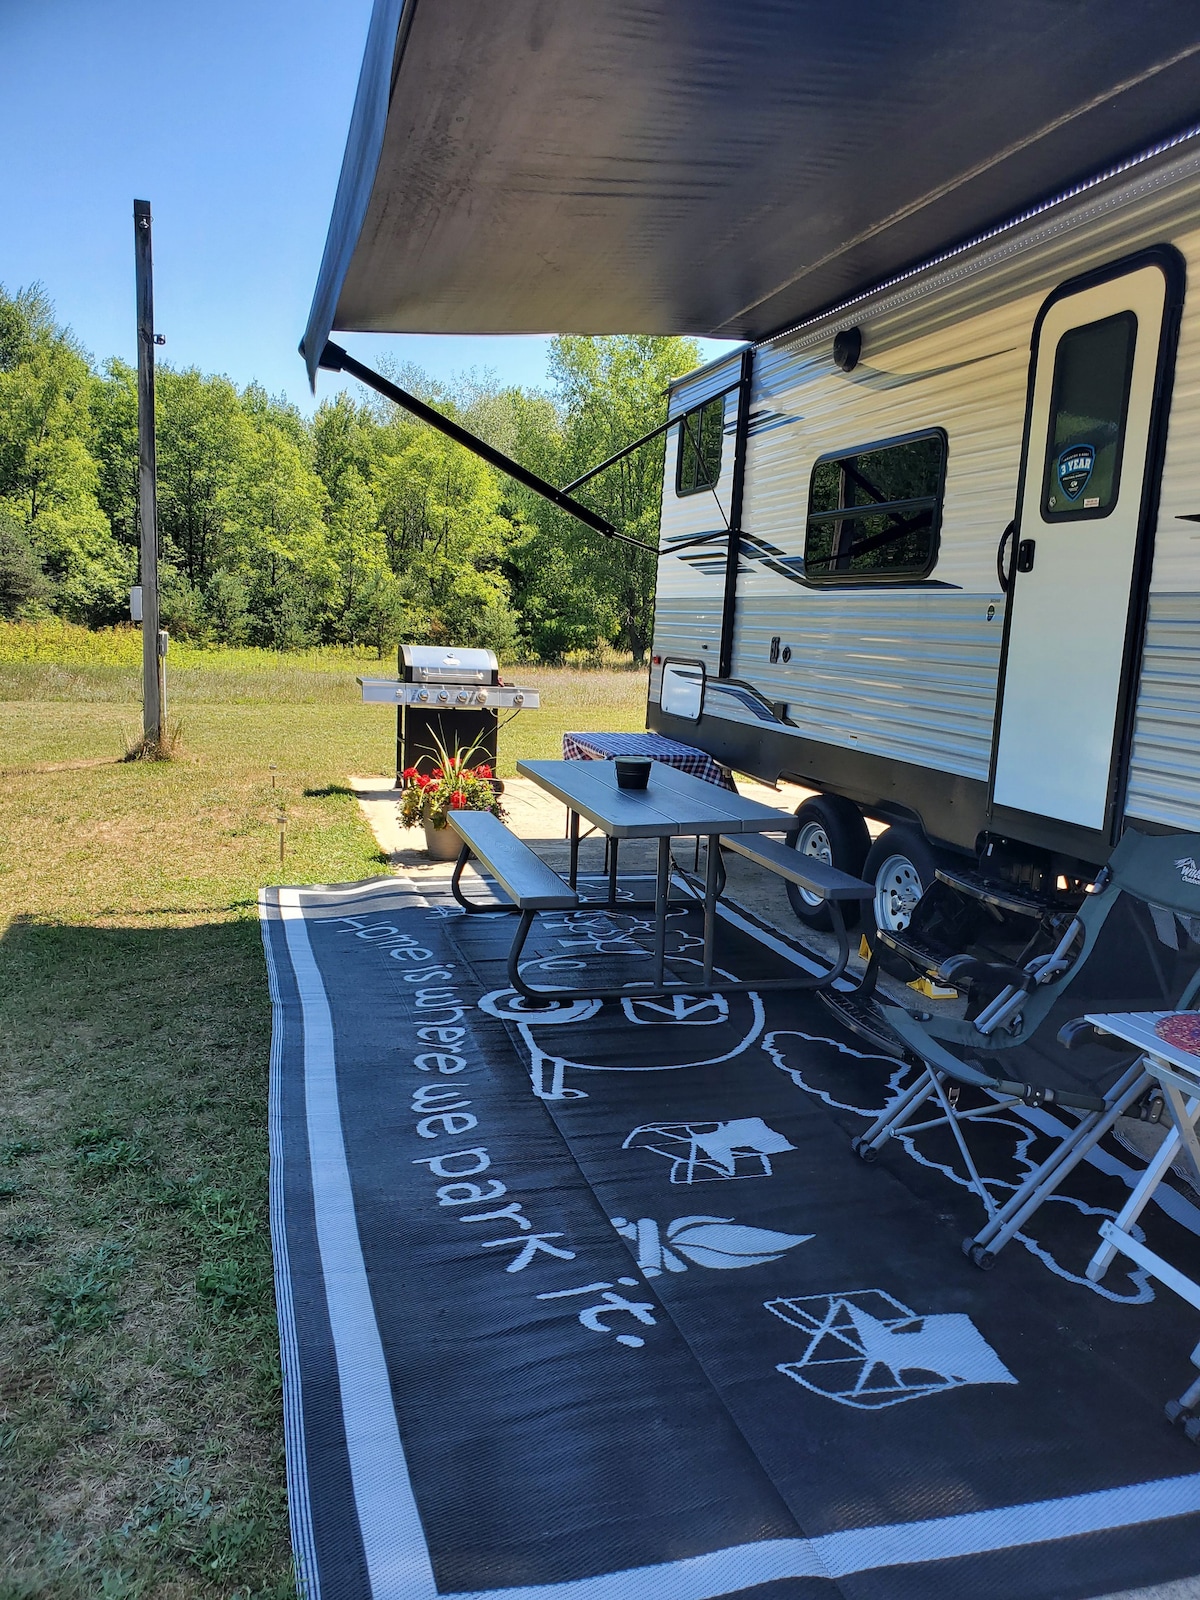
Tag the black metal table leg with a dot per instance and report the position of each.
(711, 890)
(573, 873)
(662, 895)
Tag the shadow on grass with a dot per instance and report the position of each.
(140, 1336)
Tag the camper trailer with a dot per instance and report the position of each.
(928, 538)
(935, 553)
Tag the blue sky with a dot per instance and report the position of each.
(230, 117)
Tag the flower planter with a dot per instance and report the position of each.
(443, 844)
(451, 786)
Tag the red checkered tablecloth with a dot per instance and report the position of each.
(606, 746)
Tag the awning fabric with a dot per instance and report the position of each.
(715, 168)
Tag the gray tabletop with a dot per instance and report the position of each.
(1138, 1029)
(672, 804)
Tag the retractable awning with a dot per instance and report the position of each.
(715, 168)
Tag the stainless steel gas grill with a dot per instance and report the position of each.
(451, 695)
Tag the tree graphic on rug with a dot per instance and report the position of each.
(865, 1349)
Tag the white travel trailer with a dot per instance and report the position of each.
(928, 539)
(962, 593)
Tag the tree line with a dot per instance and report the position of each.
(357, 526)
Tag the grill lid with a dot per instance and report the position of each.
(428, 663)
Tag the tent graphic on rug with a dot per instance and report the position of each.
(703, 1151)
(867, 1350)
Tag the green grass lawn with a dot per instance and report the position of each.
(140, 1438)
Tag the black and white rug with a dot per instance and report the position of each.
(596, 1304)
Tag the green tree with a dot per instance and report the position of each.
(611, 391)
(203, 436)
(439, 511)
(22, 583)
(48, 476)
(276, 536)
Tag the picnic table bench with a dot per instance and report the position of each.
(809, 872)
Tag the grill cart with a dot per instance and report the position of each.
(451, 695)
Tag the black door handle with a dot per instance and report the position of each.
(1025, 554)
(1003, 572)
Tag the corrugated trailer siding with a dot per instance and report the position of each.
(911, 673)
(705, 382)
(872, 671)
(1164, 776)
(690, 592)
(688, 515)
(969, 380)
(683, 625)
(1177, 541)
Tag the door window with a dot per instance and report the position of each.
(1090, 396)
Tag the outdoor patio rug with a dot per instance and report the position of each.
(596, 1304)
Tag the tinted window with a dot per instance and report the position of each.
(874, 513)
(698, 464)
(1092, 369)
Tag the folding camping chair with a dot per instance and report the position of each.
(1133, 944)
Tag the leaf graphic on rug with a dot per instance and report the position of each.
(706, 1242)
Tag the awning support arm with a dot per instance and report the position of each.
(335, 359)
(594, 472)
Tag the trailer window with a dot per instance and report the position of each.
(1093, 366)
(874, 514)
(698, 464)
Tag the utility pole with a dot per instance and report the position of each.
(152, 654)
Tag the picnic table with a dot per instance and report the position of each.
(673, 805)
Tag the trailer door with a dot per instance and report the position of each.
(1074, 621)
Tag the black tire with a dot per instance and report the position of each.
(902, 866)
(833, 830)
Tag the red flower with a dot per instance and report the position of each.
(437, 772)
(483, 770)
(457, 800)
(409, 774)
(423, 782)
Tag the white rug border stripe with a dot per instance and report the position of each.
(397, 1556)
(308, 1578)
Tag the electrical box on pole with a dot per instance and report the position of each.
(152, 656)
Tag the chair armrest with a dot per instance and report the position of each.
(1079, 1031)
(956, 969)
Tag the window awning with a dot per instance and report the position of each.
(715, 168)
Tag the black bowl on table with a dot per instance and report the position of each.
(633, 772)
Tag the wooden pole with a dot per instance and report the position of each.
(152, 662)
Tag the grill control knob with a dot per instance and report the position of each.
(481, 697)
(443, 697)
(518, 699)
(464, 697)
(423, 695)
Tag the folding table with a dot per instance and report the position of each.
(1178, 1073)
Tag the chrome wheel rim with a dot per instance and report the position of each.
(812, 840)
(898, 887)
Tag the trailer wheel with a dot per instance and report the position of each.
(832, 830)
(901, 866)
